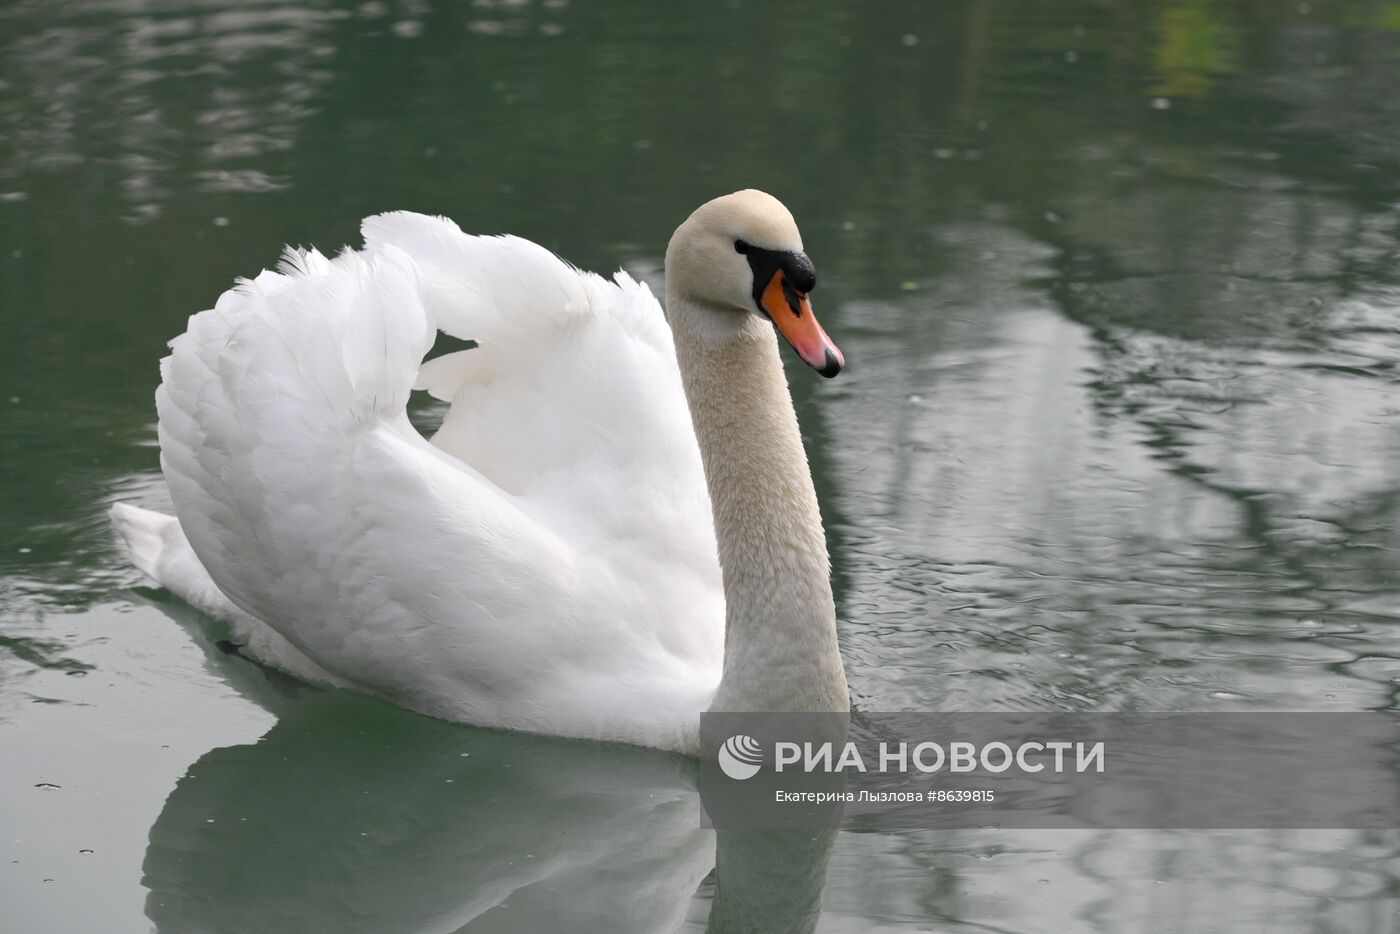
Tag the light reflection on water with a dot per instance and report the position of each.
(1125, 521)
(1118, 285)
(245, 78)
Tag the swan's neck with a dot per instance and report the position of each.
(780, 650)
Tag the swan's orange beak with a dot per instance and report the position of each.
(791, 312)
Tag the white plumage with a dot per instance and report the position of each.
(546, 563)
(550, 560)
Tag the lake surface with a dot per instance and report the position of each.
(1117, 283)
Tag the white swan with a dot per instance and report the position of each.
(548, 562)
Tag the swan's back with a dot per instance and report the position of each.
(546, 563)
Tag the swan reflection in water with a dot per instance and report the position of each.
(353, 816)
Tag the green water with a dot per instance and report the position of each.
(1117, 283)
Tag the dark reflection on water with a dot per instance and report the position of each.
(1117, 281)
(352, 816)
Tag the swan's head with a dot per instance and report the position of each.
(741, 256)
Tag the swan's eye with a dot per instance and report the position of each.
(741, 247)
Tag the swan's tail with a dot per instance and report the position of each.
(147, 534)
(159, 548)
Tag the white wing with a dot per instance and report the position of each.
(547, 563)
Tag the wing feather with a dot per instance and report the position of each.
(547, 561)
